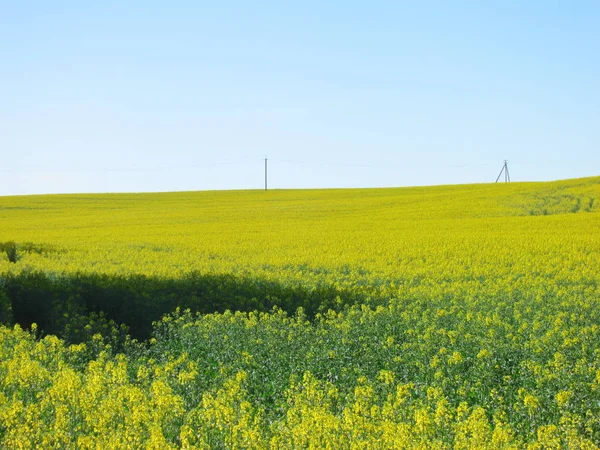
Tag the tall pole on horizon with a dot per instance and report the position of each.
(505, 171)
(266, 173)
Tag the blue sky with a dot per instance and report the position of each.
(189, 95)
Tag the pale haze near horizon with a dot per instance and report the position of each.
(182, 95)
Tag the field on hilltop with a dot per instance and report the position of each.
(460, 316)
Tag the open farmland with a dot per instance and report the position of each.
(435, 317)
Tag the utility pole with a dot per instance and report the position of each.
(266, 173)
(505, 171)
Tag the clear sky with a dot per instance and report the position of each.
(119, 96)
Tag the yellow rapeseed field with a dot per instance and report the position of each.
(450, 317)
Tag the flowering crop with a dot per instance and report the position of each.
(443, 317)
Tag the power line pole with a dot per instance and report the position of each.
(505, 171)
(266, 173)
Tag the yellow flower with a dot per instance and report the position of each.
(563, 397)
(483, 353)
(455, 358)
(531, 402)
(386, 376)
